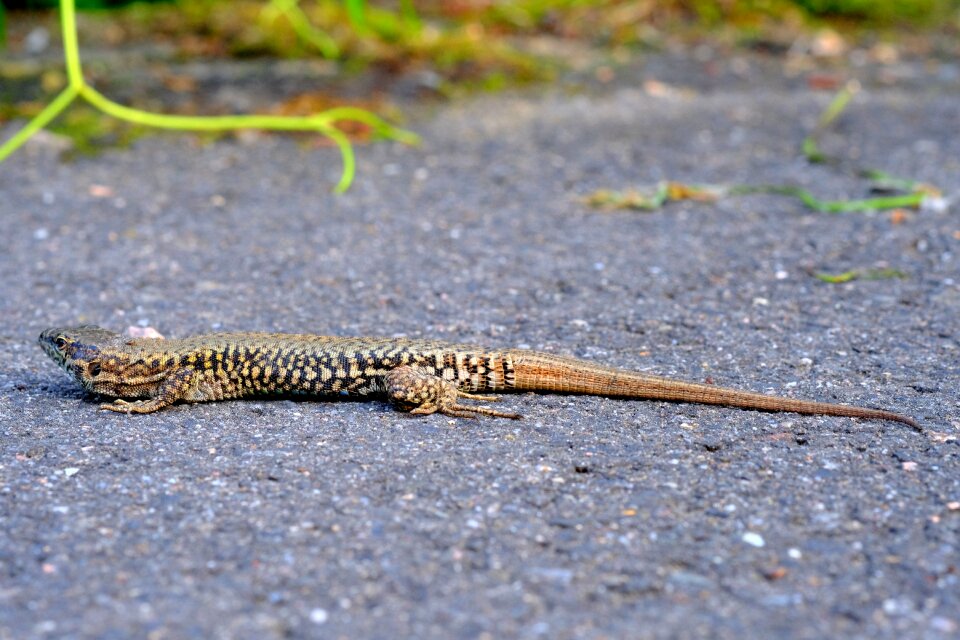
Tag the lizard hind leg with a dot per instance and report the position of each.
(420, 392)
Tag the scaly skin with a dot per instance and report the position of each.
(419, 376)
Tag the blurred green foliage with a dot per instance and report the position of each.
(457, 45)
(81, 4)
(884, 11)
(464, 36)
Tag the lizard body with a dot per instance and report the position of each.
(419, 376)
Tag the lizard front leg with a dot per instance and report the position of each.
(420, 392)
(176, 386)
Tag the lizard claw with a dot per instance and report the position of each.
(478, 397)
(462, 411)
(119, 405)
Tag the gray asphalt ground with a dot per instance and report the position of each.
(591, 517)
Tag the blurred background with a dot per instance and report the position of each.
(300, 57)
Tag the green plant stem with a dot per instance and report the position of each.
(71, 46)
(811, 151)
(858, 274)
(836, 206)
(321, 122)
(838, 104)
(376, 123)
(42, 119)
(884, 181)
(838, 278)
(810, 148)
(355, 14)
(302, 27)
(346, 153)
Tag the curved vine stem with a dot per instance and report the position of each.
(323, 122)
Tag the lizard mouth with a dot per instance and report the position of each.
(49, 346)
(51, 350)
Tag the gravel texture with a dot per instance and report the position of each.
(591, 517)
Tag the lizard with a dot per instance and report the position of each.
(419, 376)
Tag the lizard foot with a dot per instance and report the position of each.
(137, 406)
(421, 393)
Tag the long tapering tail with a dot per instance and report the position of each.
(535, 371)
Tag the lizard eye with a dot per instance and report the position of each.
(61, 342)
(94, 369)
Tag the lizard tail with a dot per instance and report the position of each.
(545, 372)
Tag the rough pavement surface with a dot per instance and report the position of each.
(591, 517)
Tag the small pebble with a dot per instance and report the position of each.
(100, 191)
(753, 539)
(943, 624)
(144, 331)
(319, 616)
(37, 41)
(47, 626)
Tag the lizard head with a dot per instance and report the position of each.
(79, 351)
